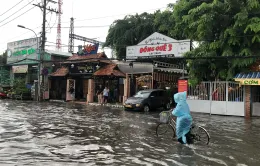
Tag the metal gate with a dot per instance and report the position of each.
(221, 98)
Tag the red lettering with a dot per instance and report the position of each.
(146, 49)
(170, 47)
(164, 47)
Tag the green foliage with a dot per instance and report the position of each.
(3, 58)
(227, 28)
(20, 86)
(129, 31)
(222, 27)
(4, 76)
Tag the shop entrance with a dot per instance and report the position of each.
(255, 91)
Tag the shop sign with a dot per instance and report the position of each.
(88, 49)
(82, 69)
(158, 45)
(20, 69)
(250, 82)
(182, 85)
(19, 50)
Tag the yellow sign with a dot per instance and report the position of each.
(249, 81)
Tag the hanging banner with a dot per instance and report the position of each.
(182, 85)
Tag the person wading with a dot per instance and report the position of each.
(105, 95)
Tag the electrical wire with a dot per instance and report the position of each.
(11, 8)
(17, 16)
(96, 18)
(54, 23)
(242, 36)
(94, 26)
(17, 11)
(20, 35)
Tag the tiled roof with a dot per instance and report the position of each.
(109, 70)
(94, 56)
(60, 72)
(248, 75)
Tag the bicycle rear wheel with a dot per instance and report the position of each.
(202, 136)
(165, 130)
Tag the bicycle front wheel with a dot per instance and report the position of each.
(165, 130)
(202, 136)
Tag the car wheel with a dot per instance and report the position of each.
(167, 106)
(146, 108)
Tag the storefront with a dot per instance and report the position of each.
(79, 75)
(23, 58)
(251, 82)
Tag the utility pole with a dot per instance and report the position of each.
(42, 52)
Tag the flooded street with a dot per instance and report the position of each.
(63, 134)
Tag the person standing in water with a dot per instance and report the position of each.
(105, 95)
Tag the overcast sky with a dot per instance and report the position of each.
(97, 13)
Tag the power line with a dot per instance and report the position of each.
(97, 26)
(96, 18)
(16, 11)
(11, 8)
(19, 35)
(18, 16)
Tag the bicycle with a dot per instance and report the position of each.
(167, 123)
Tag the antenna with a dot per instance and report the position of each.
(58, 39)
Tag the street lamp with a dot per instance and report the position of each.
(39, 64)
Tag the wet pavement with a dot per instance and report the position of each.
(62, 134)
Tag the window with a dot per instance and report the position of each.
(155, 94)
(161, 93)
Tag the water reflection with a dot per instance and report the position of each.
(68, 134)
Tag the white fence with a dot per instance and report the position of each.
(221, 98)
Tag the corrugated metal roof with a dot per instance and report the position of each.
(248, 75)
(65, 54)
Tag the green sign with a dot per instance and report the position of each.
(24, 52)
(250, 82)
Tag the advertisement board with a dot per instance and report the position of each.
(158, 45)
(88, 49)
(20, 69)
(19, 50)
(182, 85)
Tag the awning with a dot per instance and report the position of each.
(251, 78)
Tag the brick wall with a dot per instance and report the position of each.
(247, 101)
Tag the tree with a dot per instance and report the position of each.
(20, 86)
(129, 31)
(224, 28)
(3, 58)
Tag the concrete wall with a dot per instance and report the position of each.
(217, 107)
(201, 106)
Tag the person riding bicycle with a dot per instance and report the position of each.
(184, 119)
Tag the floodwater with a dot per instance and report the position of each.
(61, 134)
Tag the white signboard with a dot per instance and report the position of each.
(158, 45)
(19, 50)
(20, 69)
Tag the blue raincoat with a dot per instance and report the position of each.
(182, 112)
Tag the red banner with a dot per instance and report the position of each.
(182, 85)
